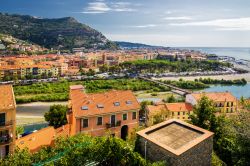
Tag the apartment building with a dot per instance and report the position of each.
(225, 102)
(168, 111)
(7, 120)
(113, 112)
(22, 71)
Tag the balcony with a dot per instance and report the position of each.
(110, 125)
(5, 139)
(6, 124)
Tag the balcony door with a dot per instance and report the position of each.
(112, 120)
(2, 119)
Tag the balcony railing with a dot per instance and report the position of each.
(5, 139)
(7, 123)
(110, 125)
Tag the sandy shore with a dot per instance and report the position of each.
(225, 77)
(33, 112)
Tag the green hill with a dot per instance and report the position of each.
(63, 33)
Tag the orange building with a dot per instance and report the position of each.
(168, 111)
(113, 112)
(7, 120)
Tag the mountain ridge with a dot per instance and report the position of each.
(56, 33)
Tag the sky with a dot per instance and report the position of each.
(174, 23)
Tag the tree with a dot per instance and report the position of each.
(104, 68)
(19, 130)
(204, 114)
(56, 115)
(171, 99)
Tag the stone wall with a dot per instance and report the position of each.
(199, 155)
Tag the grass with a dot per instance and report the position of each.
(59, 91)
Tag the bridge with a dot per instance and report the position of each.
(174, 89)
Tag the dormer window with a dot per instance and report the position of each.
(128, 102)
(84, 107)
(100, 106)
(116, 103)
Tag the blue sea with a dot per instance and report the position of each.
(236, 52)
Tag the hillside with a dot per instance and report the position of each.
(63, 33)
(129, 45)
(11, 45)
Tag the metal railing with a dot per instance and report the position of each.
(110, 125)
(6, 123)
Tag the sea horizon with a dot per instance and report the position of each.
(236, 52)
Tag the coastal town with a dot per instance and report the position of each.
(95, 83)
(34, 68)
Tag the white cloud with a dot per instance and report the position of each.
(100, 6)
(178, 18)
(240, 24)
(144, 26)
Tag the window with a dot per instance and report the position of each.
(116, 103)
(124, 116)
(184, 113)
(2, 119)
(84, 107)
(85, 123)
(228, 104)
(232, 110)
(133, 115)
(128, 102)
(178, 113)
(99, 120)
(172, 113)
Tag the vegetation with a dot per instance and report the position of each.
(143, 107)
(222, 81)
(56, 116)
(204, 83)
(19, 130)
(231, 134)
(81, 150)
(171, 99)
(61, 33)
(153, 66)
(59, 91)
(187, 84)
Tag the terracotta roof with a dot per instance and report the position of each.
(215, 96)
(101, 103)
(172, 107)
(35, 141)
(7, 100)
(153, 108)
(177, 107)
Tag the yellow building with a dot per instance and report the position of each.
(225, 102)
(168, 111)
(7, 120)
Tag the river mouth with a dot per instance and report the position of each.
(237, 90)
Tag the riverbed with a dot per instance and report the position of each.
(33, 112)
